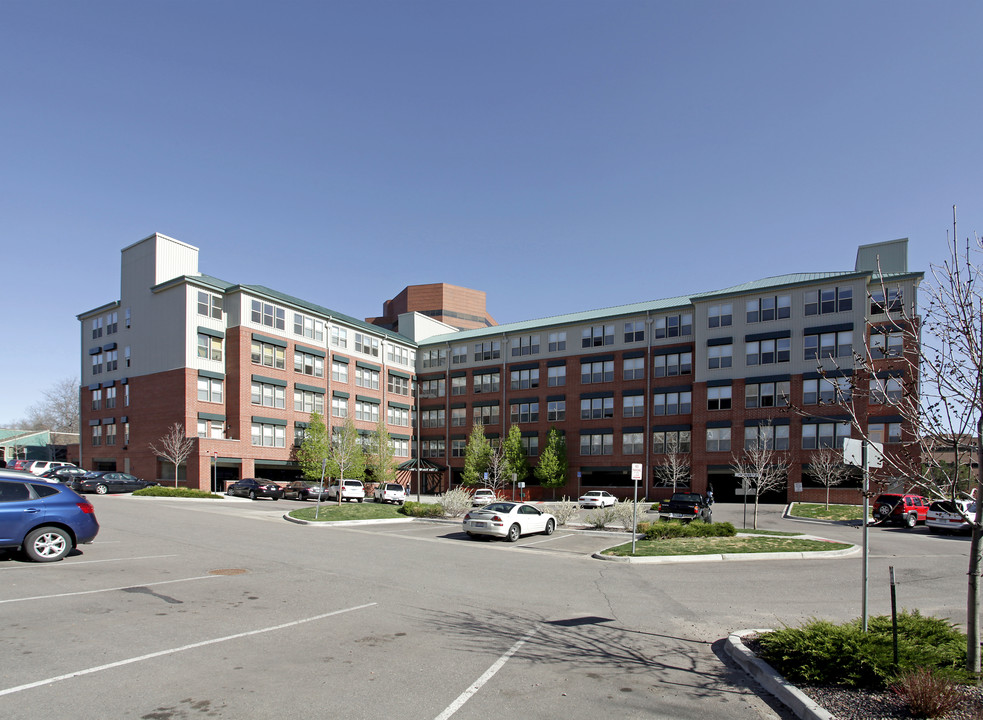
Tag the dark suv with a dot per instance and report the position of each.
(253, 488)
(907, 510)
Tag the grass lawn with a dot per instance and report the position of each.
(722, 545)
(331, 512)
(818, 511)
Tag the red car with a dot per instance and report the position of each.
(907, 510)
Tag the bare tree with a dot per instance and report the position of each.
(174, 447)
(827, 467)
(57, 411)
(766, 468)
(499, 469)
(675, 470)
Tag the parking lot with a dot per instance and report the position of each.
(223, 609)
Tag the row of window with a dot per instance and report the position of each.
(105, 398)
(109, 323)
(107, 435)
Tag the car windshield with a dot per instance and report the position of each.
(685, 497)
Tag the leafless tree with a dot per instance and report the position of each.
(174, 447)
(499, 470)
(827, 467)
(57, 411)
(675, 469)
(766, 468)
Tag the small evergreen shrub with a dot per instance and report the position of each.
(180, 492)
(425, 510)
(697, 528)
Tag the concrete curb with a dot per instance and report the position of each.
(735, 557)
(766, 676)
(347, 523)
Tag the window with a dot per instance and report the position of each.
(893, 303)
(824, 435)
(774, 437)
(596, 372)
(674, 326)
(127, 318)
(306, 401)
(597, 336)
(885, 391)
(209, 347)
(268, 395)
(489, 350)
(96, 435)
(112, 324)
(339, 337)
(826, 391)
(828, 300)
(596, 444)
(96, 328)
(266, 435)
(209, 390)
(718, 439)
(524, 379)
(126, 356)
(720, 315)
(635, 331)
(339, 407)
(886, 344)
(720, 356)
(126, 433)
(97, 363)
(828, 345)
(457, 448)
(366, 378)
(270, 316)
(397, 354)
(209, 305)
(673, 364)
(269, 355)
(632, 443)
(556, 410)
(433, 388)
(488, 414)
(459, 385)
(556, 376)
(110, 397)
(459, 417)
(434, 358)
(767, 352)
(367, 344)
(633, 406)
(885, 432)
(525, 345)
(487, 382)
(769, 308)
(524, 412)
(530, 445)
(557, 341)
(309, 327)
(401, 447)
(97, 399)
(366, 411)
(126, 396)
(300, 434)
(112, 360)
(308, 364)
(718, 398)
(634, 368)
(398, 385)
(397, 416)
(459, 355)
(339, 371)
(433, 448)
(766, 394)
(596, 408)
(672, 403)
(671, 441)
(433, 418)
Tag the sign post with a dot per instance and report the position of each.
(864, 455)
(636, 475)
(744, 478)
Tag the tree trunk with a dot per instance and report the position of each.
(975, 553)
(754, 523)
(175, 475)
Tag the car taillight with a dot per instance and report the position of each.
(497, 519)
(86, 508)
(467, 516)
(696, 510)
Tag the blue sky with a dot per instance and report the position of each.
(559, 155)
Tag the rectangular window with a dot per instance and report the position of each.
(596, 444)
(397, 354)
(718, 439)
(886, 345)
(556, 410)
(826, 391)
(97, 399)
(433, 448)
(885, 432)
(633, 406)
(126, 433)
(209, 305)
(487, 382)
(367, 344)
(597, 372)
(671, 365)
(339, 407)
(268, 395)
(720, 356)
(557, 341)
(768, 352)
(720, 315)
(110, 397)
(309, 327)
(635, 331)
(459, 417)
(265, 435)
(556, 376)
(97, 363)
(127, 318)
(672, 403)
(774, 437)
(112, 360)
(524, 412)
(209, 347)
(96, 328)
(765, 309)
(458, 448)
(126, 356)
(718, 398)
(97, 435)
(369, 412)
(339, 337)
(597, 336)
(489, 350)
(112, 324)
(433, 418)
(367, 378)
(828, 300)
(401, 447)
(210, 390)
(272, 356)
(770, 394)
(530, 445)
(665, 442)
(828, 345)
(459, 386)
(459, 355)
(633, 443)
(308, 364)
(269, 315)
(308, 402)
(339, 371)
(524, 379)
(892, 304)
(433, 388)
(525, 345)
(397, 416)
(596, 408)
(824, 435)
(885, 391)
(434, 358)
(488, 414)
(674, 326)
(126, 396)
(398, 385)
(634, 369)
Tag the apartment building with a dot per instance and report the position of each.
(703, 374)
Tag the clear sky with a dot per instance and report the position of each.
(559, 155)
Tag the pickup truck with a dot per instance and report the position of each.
(685, 507)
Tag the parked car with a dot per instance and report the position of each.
(686, 507)
(304, 490)
(907, 510)
(65, 474)
(508, 520)
(943, 516)
(351, 490)
(390, 492)
(44, 520)
(42, 466)
(254, 488)
(107, 481)
(483, 496)
(19, 464)
(597, 499)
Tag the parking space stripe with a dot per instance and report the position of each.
(122, 587)
(171, 651)
(488, 675)
(66, 565)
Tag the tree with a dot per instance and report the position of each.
(552, 467)
(58, 411)
(477, 456)
(675, 469)
(827, 467)
(315, 449)
(381, 458)
(515, 453)
(174, 447)
(499, 470)
(766, 468)
(346, 459)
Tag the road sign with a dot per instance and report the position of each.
(853, 453)
(636, 471)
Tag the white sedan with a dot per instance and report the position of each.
(944, 517)
(508, 520)
(597, 499)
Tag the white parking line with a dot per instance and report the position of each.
(122, 587)
(489, 674)
(549, 539)
(161, 653)
(66, 565)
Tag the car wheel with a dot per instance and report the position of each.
(910, 521)
(470, 534)
(514, 533)
(101, 489)
(359, 499)
(550, 527)
(47, 544)
(275, 498)
(252, 494)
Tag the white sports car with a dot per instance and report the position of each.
(508, 520)
(597, 499)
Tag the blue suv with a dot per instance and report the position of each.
(45, 520)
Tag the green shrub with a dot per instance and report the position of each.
(415, 509)
(161, 491)
(697, 528)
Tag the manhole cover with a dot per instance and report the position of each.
(228, 571)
